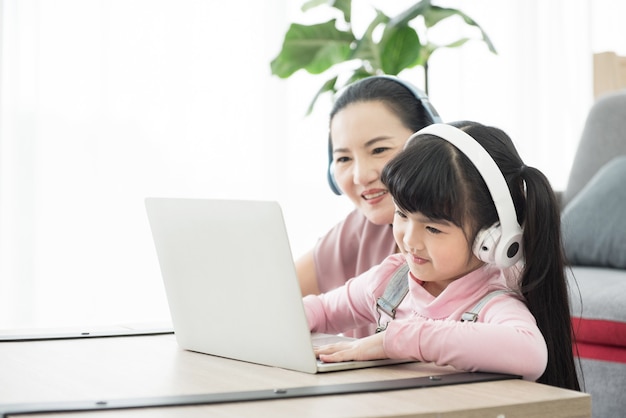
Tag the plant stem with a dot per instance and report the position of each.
(426, 78)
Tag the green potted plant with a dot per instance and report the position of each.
(323, 46)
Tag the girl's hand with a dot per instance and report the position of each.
(368, 348)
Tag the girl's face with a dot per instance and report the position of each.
(437, 251)
(365, 136)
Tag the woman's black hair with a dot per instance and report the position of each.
(433, 177)
(394, 94)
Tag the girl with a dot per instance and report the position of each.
(443, 204)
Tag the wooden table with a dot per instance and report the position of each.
(91, 370)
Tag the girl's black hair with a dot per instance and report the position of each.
(433, 177)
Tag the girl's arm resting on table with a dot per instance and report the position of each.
(506, 341)
(513, 345)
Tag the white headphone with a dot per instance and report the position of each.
(501, 243)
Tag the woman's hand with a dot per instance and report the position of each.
(368, 348)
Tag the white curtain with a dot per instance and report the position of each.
(537, 88)
(105, 102)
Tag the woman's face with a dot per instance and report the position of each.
(365, 136)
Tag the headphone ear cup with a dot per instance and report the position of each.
(491, 247)
(331, 178)
(510, 249)
(486, 243)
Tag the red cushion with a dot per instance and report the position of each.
(599, 331)
(600, 352)
(600, 339)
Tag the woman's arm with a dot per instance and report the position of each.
(307, 275)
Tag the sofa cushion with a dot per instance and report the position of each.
(594, 222)
(602, 139)
(598, 314)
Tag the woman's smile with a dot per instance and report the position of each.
(373, 196)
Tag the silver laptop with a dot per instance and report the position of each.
(231, 283)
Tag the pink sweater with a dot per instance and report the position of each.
(350, 248)
(505, 339)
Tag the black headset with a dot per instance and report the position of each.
(501, 243)
(419, 95)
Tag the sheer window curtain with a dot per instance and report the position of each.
(105, 102)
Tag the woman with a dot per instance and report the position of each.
(369, 124)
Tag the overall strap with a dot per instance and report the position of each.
(396, 290)
(472, 316)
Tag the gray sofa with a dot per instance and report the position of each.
(594, 238)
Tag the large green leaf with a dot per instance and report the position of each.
(328, 86)
(417, 9)
(459, 42)
(311, 4)
(314, 48)
(400, 48)
(345, 6)
(427, 50)
(435, 14)
(366, 48)
(317, 48)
